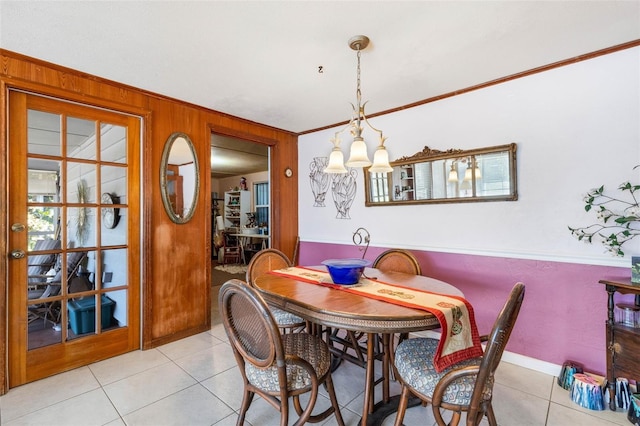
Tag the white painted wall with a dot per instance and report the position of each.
(577, 127)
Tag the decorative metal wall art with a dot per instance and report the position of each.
(343, 190)
(319, 180)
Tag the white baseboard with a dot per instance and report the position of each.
(512, 358)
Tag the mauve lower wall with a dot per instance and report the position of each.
(564, 311)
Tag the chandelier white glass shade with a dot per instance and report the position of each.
(358, 156)
(336, 160)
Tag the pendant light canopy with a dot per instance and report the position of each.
(358, 156)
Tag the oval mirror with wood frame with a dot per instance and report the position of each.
(452, 176)
(179, 178)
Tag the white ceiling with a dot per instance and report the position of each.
(233, 157)
(259, 60)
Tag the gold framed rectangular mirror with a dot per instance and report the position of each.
(452, 176)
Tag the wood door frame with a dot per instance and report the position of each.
(4, 231)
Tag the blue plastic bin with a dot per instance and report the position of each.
(82, 314)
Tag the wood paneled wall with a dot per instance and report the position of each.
(176, 270)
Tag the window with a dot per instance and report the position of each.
(261, 202)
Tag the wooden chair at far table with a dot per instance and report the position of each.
(392, 260)
(231, 250)
(398, 260)
(269, 260)
(275, 366)
(449, 389)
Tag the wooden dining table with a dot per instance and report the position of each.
(330, 307)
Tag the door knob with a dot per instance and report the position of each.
(17, 227)
(17, 254)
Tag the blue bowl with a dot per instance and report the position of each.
(346, 271)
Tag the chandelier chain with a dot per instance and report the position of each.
(358, 92)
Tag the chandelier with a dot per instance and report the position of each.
(358, 156)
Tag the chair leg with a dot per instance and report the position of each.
(402, 406)
(490, 415)
(455, 419)
(246, 402)
(355, 345)
(284, 412)
(334, 400)
(296, 405)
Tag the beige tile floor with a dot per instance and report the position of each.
(195, 381)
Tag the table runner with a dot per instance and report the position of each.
(459, 340)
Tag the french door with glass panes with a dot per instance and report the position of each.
(74, 210)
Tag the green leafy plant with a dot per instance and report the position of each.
(618, 218)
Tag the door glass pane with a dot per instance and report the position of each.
(43, 224)
(81, 183)
(43, 183)
(43, 319)
(113, 143)
(118, 234)
(81, 227)
(81, 272)
(43, 293)
(43, 217)
(43, 133)
(81, 138)
(114, 182)
(85, 318)
(114, 271)
(119, 299)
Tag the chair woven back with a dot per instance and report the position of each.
(250, 327)
(398, 260)
(264, 261)
(495, 347)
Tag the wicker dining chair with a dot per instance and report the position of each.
(398, 260)
(275, 366)
(464, 387)
(269, 260)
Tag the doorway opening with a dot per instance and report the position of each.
(240, 203)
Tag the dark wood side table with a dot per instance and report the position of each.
(623, 342)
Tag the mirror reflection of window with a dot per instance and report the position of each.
(495, 172)
(380, 188)
(425, 185)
